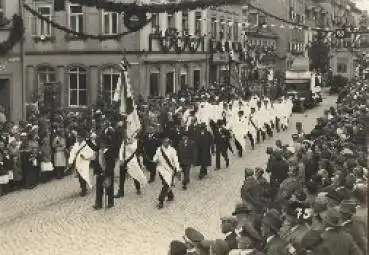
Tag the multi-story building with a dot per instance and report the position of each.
(12, 94)
(80, 70)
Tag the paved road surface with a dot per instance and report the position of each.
(53, 220)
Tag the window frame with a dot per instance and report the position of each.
(155, 22)
(214, 28)
(78, 89)
(109, 71)
(235, 31)
(77, 15)
(48, 71)
(198, 23)
(110, 18)
(185, 22)
(171, 20)
(38, 23)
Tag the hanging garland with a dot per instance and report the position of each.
(152, 8)
(15, 35)
(131, 18)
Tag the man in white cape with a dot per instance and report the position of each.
(80, 157)
(133, 167)
(167, 166)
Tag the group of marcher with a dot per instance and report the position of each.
(311, 197)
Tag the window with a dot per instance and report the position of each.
(155, 22)
(196, 79)
(235, 31)
(222, 27)
(109, 79)
(341, 68)
(110, 23)
(154, 84)
(76, 18)
(183, 80)
(45, 75)
(170, 84)
(253, 18)
(185, 21)
(42, 27)
(229, 32)
(198, 23)
(214, 27)
(171, 20)
(77, 81)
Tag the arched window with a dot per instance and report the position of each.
(109, 79)
(45, 75)
(77, 85)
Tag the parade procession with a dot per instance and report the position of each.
(203, 127)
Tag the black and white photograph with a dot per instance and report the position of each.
(184, 127)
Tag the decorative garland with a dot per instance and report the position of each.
(153, 8)
(133, 28)
(15, 35)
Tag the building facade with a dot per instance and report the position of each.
(12, 94)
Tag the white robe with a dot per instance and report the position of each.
(162, 166)
(82, 164)
(239, 130)
(133, 167)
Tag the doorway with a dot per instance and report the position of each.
(5, 96)
(196, 79)
(170, 85)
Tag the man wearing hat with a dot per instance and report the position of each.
(275, 245)
(177, 248)
(278, 169)
(352, 225)
(336, 240)
(150, 142)
(193, 239)
(204, 146)
(186, 157)
(228, 226)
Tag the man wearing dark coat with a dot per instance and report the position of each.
(111, 152)
(204, 145)
(221, 140)
(150, 141)
(278, 169)
(186, 157)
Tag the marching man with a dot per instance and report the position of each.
(79, 158)
(168, 167)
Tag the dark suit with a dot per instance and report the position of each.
(339, 242)
(231, 240)
(110, 157)
(357, 230)
(186, 157)
(221, 140)
(204, 146)
(276, 246)
(278, 169)
(150, 143)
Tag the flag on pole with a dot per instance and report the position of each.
(127, 104)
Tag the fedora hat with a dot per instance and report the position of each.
(177, 248)
(331, 217)
(193, 235)
(241, 208)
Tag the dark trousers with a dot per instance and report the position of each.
(152, 169)
(203, 171)
(260, 135)
(277, 125)
(110, 190)
(269, 130)
(59, 172)
(238, 147)
(99, 190)
(165, 191)
(82, 184)
(186, 174)
(122, 180)
(252, 140)
(220, 150)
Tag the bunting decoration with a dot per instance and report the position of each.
(15, 35)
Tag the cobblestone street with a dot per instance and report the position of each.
(53, 220)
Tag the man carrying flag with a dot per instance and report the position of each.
(127, 155)
(168, 167)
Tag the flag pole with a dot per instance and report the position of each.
(124, 69)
